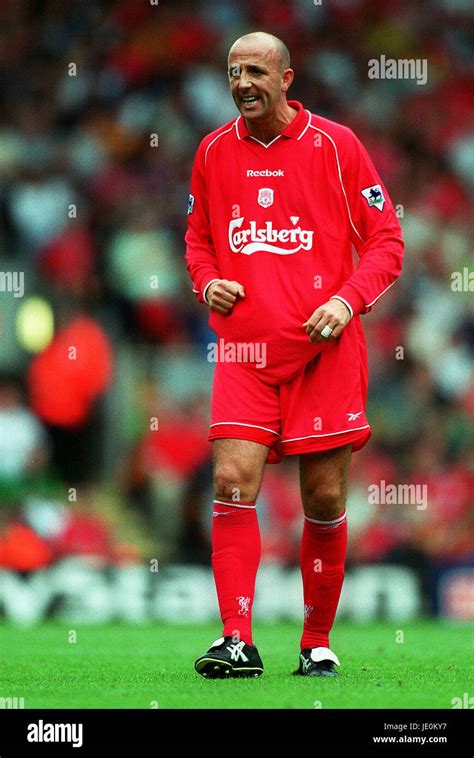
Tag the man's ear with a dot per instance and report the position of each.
(288, 76)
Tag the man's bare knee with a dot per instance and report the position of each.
(324, 483)
(326, 502)
(234, 483)
(238, 470)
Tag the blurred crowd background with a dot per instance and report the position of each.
(104, 378)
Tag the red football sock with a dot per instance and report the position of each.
(323, 552)
(235, 558)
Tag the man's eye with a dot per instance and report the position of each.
(235, 71)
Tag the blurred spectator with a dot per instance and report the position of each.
(83, 533)
(140, 269)
(38, 206)
(172, 453)
(23, 441)
(447, 530)
(21, 548)
(68, 261)
(66, 381)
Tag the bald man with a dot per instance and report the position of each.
(279, 198)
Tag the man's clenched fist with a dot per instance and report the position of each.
(221, 295)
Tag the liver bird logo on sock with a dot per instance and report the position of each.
(244, 603)
(308, 609)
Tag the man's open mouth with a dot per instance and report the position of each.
(249, 99)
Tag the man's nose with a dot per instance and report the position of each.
(244, 81)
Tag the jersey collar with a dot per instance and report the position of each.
(294, 130)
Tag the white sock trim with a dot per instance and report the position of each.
(234, 505)
(334, 522)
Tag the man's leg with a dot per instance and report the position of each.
(238, 473)
(323, 478)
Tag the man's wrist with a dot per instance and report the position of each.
(352, 299)
(206, 289)
(348, 305)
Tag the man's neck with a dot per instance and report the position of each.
(266, 131)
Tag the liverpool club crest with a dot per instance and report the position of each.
(265, 197)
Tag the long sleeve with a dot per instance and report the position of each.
(201, 261)
(375, 230)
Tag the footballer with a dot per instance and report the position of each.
(279, 199)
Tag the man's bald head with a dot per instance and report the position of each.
(264, 42)
(259, 76)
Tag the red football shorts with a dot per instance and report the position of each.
(320, 408)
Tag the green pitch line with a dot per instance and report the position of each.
(118, 666)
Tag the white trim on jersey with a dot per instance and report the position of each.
(263, 143)
(329, 434)
(237, 423)
(306, 127)
(382, 293)
(277, 137)
(316, 128)
(236, 124)
(216, 138)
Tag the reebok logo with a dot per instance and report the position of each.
(253, 240)
(266, 172)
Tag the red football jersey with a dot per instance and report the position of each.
(281, 219)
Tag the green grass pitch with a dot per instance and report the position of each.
(119, 666)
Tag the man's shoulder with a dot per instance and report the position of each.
(213, 137)
(340, 135)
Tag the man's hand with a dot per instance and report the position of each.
(333, 314)
(222, 295)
